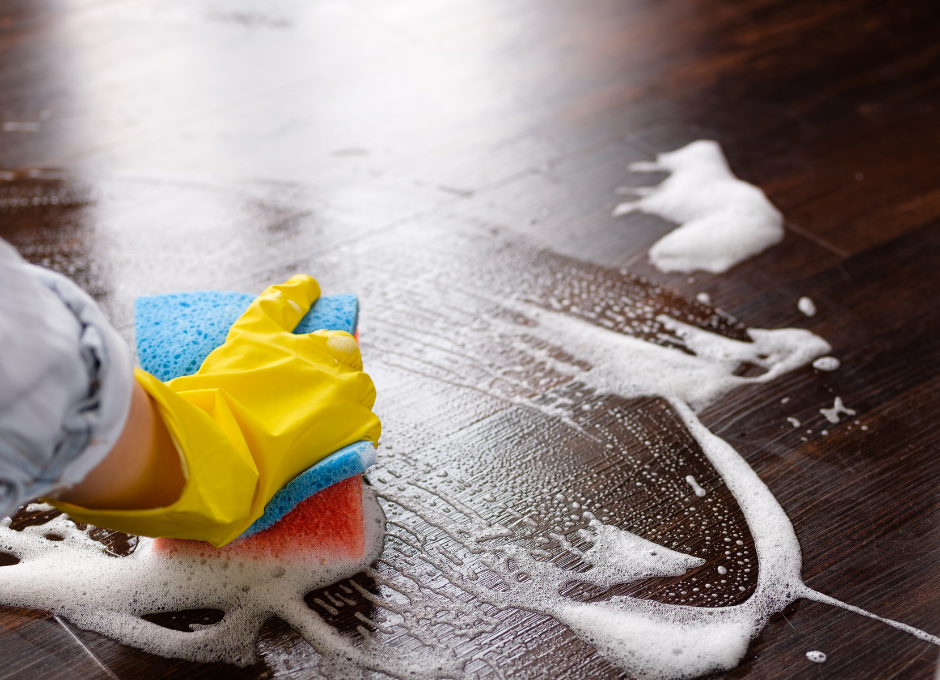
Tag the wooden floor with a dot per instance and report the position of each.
(435, 157)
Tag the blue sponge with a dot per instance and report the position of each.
(348, 461)
(176, 332)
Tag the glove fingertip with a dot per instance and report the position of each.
(306, 285)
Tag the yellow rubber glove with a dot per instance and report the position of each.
(263, 407)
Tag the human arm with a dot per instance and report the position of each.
(142, 470)
(66, 379)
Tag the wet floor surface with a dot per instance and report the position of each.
(455, 165)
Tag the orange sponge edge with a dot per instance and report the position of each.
(326, 525)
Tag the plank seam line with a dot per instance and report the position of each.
(87, 651)
(822, 243)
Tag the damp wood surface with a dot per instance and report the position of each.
(440, 157)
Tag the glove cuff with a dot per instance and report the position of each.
(218, 500)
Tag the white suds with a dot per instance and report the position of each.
(816, 656)
(826, 364)
(722, 219)
(646, 639)
(838, 408)
(625, 365)
(75, 578)
(704, 298)
(793, 421)
(699, 491)
(807, 306)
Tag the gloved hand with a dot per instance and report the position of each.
(263, 407)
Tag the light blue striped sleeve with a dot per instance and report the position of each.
(65, 382)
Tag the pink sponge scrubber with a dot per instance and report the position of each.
(327, 525)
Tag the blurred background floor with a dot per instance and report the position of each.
(430, 155)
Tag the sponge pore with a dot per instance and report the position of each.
(176, 332)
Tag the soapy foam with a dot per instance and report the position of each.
(74, 578)
(807, 306)
(816, 656)
(624, 365)
(699, 491)
(640, 636)
(810, 594)
(838, 408)
(722, 219)
(826, 364)
(645, 638)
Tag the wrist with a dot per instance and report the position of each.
(141, 471)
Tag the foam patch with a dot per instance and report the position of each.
(176, 332)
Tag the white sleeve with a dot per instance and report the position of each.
(65, 382)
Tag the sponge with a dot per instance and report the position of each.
(175, 333)
(326, 526)
(347, 462)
